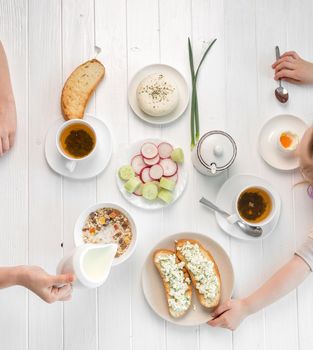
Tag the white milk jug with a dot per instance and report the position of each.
(91, 264)
(214, 153)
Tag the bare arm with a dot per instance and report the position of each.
(8, 276)
(5, 81)
(230, 314)
(7, 106)
(38, 281)
(281, 283)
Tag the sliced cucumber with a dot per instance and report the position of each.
(150, 191)
(138, 192)
(177, 155)
(132, 185)
(166, 196)
(126, 172)
(157, 183)
(167, 184)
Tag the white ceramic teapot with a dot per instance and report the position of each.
(215, 152)
(91, 264)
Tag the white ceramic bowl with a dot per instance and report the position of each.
(153, 287)
(78, 238)
(178, 80)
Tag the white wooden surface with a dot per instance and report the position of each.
(45, 40)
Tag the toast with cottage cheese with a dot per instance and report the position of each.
(202, 269)
(176, 281)
(79, 87)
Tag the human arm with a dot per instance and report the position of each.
(7, 106)
(231, 313)
(38, 281)
(292, 68)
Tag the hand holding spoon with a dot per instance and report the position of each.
(254, 231)
(281, 93)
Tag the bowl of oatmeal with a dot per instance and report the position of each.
(107, 223)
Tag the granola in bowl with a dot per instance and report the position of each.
(108, 225)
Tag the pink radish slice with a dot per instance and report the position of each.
(152, 161)
(165, 150)
(173, 177)
(169, 167)
(149, 150)
(156, 172)
(145, 175)
(138, 163)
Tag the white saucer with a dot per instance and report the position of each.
(124, 157)
(92, 166)
(268, 137)
(173, 74)
(226, 200)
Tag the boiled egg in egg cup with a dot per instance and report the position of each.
(288, 142)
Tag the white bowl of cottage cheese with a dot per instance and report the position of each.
(158, 94)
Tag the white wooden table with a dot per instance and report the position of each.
(45, 40)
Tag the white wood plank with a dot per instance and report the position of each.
(77, 47)
(241, 109)
(282, 240)
(143, 49)
(111, 105)
(298, 39)
(207, 24)
(173, 51)
(235, 93)
(14, 179)
(45, 187)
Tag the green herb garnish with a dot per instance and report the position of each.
(194, 116)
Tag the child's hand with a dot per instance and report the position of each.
(292, 68)
(230, 314)
(46, 286)
(7, 124)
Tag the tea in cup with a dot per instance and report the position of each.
(255, 205)
(76, 141)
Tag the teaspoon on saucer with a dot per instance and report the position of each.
(254, 231)
(281, 93)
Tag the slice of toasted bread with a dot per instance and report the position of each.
(206, 302)
(79, 87)
(166, 284)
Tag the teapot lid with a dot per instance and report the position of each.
(216, 150)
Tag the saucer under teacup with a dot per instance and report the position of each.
(226, 200)
(87, 168)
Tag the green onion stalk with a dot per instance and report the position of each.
(194, 115)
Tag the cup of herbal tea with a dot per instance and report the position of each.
(254, 205)
(76, 141)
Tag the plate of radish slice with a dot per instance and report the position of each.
(151, 174)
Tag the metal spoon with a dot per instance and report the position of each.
(281, 93)
(254, 231)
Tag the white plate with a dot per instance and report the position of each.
(78, 238)
(179, 81)
(153, 287)
(88, 168)
(125, 156)
(226, 200)
(268, 138)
